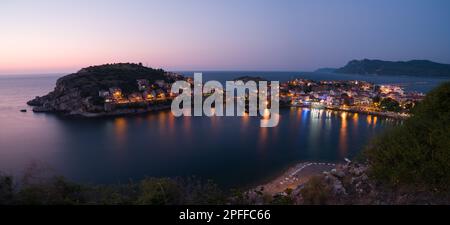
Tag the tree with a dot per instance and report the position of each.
(163, 191)
(316, 192)
(389, 104)
(409, 105)
(416, 153)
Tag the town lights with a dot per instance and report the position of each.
(236, 96)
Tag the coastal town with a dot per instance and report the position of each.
(353, 96)
(147, 92)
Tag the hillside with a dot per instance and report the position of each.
(78, 93)
(92, 79)
(379, 67)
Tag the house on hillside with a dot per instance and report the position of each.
(143, 84)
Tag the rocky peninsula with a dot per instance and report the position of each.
(110, 89)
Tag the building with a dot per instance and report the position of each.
(135, 97)
(386, 89)
(116, 93)
(160, 95)
(149, 95)
(104, 94)
(143, 84)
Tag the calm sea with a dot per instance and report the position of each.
(234, 152)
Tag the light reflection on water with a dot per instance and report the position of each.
(343, 147)
(160, 144)
(231, 150)
(120, 128)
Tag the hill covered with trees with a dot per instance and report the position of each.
(412, 68)
(78, 93)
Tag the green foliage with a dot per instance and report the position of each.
(316, 192)
(202, 193)
(282, 200)
(124, 75)
(150, 191)
(57, 192)
(167, 191)
(239, 197)
(417, 153)
(389, 104)
(162, 191)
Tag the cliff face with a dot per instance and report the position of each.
(66, 100)
(78, 93)
(414, 68)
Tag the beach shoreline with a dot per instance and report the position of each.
(294, 176)
(381, 114)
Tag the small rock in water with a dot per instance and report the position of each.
(23, 110)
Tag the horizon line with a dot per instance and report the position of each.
(176, 71)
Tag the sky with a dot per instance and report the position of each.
(55, 36)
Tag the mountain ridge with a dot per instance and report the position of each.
(380, 67)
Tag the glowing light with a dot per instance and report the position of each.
(344, 115)
(369, 119)
(343, 135)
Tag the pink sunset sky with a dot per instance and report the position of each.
(64, 36)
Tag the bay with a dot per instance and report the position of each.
(232, 151)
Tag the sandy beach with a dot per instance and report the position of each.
(295, 176)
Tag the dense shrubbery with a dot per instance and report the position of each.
(92, 79)
(316, 192)
(417, 153)
(154, 191)
(389, 104)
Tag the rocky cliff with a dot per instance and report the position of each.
(78, 93)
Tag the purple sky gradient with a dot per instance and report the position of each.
(63, 36)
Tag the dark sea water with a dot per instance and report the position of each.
(233, 151)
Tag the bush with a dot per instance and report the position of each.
(316, 192)
(389, 104)
(199, 192)
(159, 191)
(56, 192)
(416, 153)
(282, 200)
